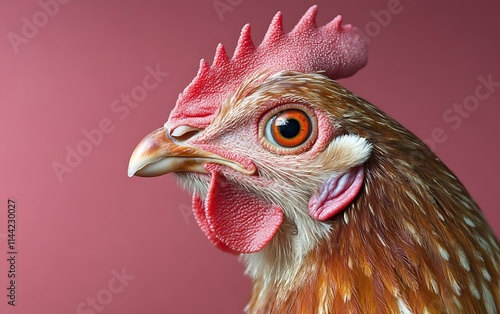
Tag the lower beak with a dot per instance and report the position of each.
(158, 154)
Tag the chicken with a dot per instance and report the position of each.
(333, 206)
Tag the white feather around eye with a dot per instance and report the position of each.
(343, 153)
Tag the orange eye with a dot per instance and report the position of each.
(288, 128)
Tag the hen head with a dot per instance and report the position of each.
(258, 138)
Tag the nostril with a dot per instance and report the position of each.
(186, 136)
(184, 132)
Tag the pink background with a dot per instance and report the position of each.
(73, 234)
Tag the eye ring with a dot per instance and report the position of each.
(288, 129)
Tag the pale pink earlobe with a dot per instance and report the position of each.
(336, 193)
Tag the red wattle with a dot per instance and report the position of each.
(201, 218)
(234, 219)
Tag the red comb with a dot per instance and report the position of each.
(334, 48)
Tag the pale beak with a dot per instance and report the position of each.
(158, 154)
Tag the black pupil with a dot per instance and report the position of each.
(290, 128)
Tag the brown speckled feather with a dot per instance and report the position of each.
(413, 241)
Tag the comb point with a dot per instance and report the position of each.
(221, 57)
(335, 25)
(203, 69)
(275, 30)
(245, 44)
(308, 20)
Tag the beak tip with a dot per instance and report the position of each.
(132, 166)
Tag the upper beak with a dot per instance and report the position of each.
(158, 154)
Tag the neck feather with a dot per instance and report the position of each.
(403, 246)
